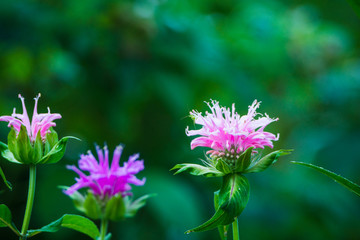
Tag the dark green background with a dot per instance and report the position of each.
(130, 71)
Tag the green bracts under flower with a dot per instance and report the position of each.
(218, 167)
(116, 208)
(234, 193)
(22, 151)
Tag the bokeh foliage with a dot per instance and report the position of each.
(130, 71)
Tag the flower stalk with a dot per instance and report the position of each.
(30, 201)
(235, 228)
(103, 228)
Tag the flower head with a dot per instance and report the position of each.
(107, 180)
(227, 133)
(40, 122)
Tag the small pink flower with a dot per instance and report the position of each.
(40, 122)
(227, 133)
(105, 179)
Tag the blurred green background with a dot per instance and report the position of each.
(129, 71)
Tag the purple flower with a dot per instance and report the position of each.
(107, 180)
(40, 122)
(227, 133)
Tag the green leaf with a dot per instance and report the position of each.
(244, 160)
(5, 153)
(57, 152)
(80, 224)
(197, 170)
(92, 207)
(355, 4)
(38, 148)
(133, 207)
(339, 179)
(265, 162)
(23, 147)
(223, 167)
(75, 222)
(19, 144)
(6, 219)
(50, 140)
(5, 216)
(115, 208)
(233, 197)
(223, 229)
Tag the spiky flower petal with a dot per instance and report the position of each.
(40, 122)
(228, 134)
(107, 180)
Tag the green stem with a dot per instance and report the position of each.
(235, 227)
(103, 228)
(30, 201)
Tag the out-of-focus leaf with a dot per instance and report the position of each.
(339, 179)
(92, 207)
(115, 208)
(133, 207)
(6, 219)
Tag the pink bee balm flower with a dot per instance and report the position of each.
(40, 122)
(227, 133)
(105, 179)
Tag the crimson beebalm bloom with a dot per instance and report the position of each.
(107, 180)
(40, 122)
(228, 134)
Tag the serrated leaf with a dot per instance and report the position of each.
(353, 187)
(75, 222)
(233, 197)
(244, 160)
(133, 207)
(265, 162)
(57, 152)
(115, 208)
(5, 153)
(197, 170)
(6, 219)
